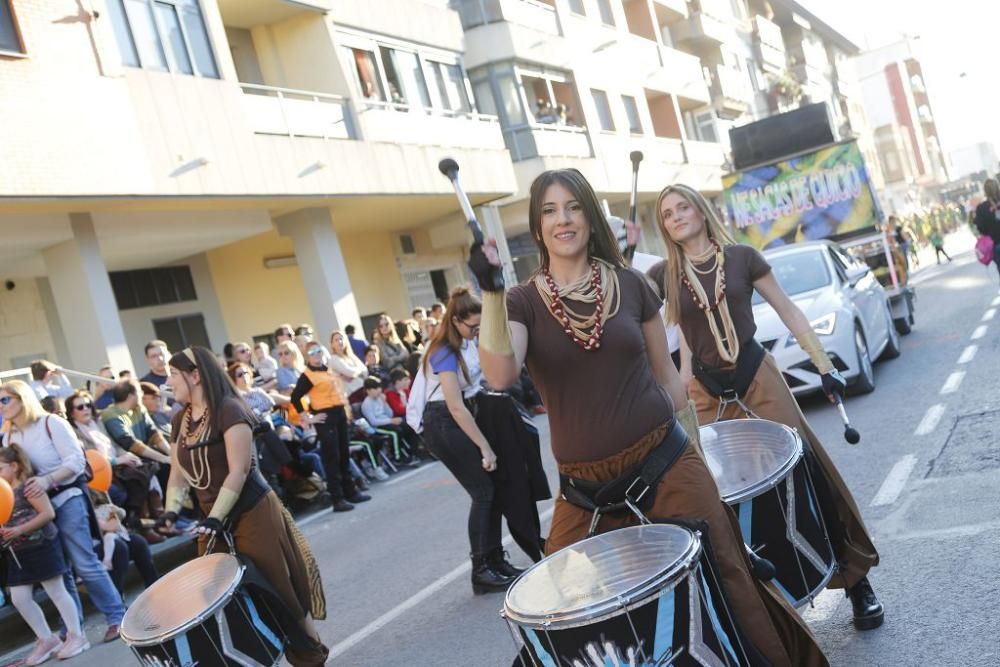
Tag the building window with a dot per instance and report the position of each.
(478, 12)
(163, 35)
(704, 126)
(450, 81)
(603, 109)
(182, 332)
(10, 41)
(366, 69)
(405, 77)
(153, 287)
(632, 113)
(607, 16)
(576, 6)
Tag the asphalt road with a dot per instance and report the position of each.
(926, 475)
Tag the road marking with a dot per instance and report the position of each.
(408, 475)
(414, 600)
(968, 354)
(930, 420)
(895, 481)
(312, 517)
(953, 382)
(989, 315)
(996, 301)
(823, 606)
(979, 332)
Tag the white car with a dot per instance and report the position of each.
(848, 310)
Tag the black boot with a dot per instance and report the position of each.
(498, 561)
(485, 579)
(868, 611)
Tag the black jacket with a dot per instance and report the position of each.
(986, 220)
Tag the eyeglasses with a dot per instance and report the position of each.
(303, 331)
(284, 353)
(472, 327)
(242, 350)
(314, 350)
(241, 374)
(83, 406)
(5, 400)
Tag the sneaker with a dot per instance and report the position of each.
(43, 650)
(111, 634)
(379, 475)
(359, 498)
(74, 646)
(342, 506)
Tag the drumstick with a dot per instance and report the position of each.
(449, 168)
(636, 157)
(851, 434)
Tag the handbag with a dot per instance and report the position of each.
(985, 249)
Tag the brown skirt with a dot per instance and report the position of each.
(769, 398)
(687, 491)
(268, 536)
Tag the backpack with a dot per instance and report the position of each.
(984, 250)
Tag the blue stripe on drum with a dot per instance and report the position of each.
(183, 650)
(542, 653)
(716, 624)
(260, 625)
(792, 600)
(663, 642)
(745, 511)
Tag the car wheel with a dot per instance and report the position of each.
(865, 382)
(892, 348)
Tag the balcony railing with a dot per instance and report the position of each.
(529, 141)
(297, 113)
(411, 124)
(532, 13)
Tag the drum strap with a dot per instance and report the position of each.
(731, 385)
(635, 490)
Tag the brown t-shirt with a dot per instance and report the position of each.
(744, 265)
(599, 401)
(234, 411)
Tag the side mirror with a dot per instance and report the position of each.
(856, 273)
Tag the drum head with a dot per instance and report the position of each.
(748, 456)
(182, 598)
(589, 579)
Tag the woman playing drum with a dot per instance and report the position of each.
(590, 332)
(213, 456)
(709, 280)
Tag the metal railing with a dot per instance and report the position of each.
(404, 107)
(302, 113)
(26, 372)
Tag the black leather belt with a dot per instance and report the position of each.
(731, 384)
(635, 489)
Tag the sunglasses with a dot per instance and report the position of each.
(314, 350)
(5, 400)
(242, 350)
(241, 374)
(83, 406)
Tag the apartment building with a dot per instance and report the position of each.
(583, 83)
(201, 170)
(899, 108)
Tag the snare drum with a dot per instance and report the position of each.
(199, 614)
(643, 595)
(762, 474)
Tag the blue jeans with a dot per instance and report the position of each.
(74, 531)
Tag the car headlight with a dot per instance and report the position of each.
(824, 325)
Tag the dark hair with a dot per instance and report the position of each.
(373, 383)
(397, 374)
(603, 244)
(437, 304)
(227, 351)
(151, 344)
(14, 454)
(282, 328)
(50, 404)
(71, 399)
(149, 389)
(122, 390)
(461, 305)
(349, 330)
(215, 384)
(40, 368)
(370, 348)
(303, 330)
(236, 366)
(123, 373)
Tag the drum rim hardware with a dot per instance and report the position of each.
(643, 593)
(195, 621)
(775, 478)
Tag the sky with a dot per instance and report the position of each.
(953, 37)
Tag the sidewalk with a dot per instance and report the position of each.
(956, 244)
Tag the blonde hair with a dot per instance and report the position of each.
(393, 337)
(675, 253)
(30, 404)
(348, 350)
(298, 363)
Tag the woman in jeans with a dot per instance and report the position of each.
(454, 438)
(58, 460)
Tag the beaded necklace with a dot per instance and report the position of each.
(600, 288)
(727, 343)
(195, 432)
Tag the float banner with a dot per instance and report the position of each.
(816, 195)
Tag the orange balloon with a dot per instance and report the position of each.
(102, 471)
(6, 501)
